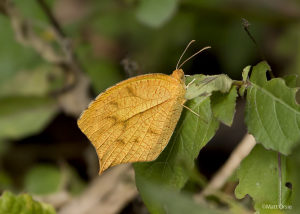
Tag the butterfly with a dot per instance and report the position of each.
(133, 120)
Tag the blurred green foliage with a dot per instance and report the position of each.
(164, 10)
(17, 112)
(23, 204)
(174, 202)
(13, 56)
(43, 179)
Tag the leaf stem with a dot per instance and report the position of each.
(232, 163)
(279, 179)
(51, 18)
(238, 83)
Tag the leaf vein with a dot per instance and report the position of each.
(276, 98)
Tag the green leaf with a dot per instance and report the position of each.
(155, 12)
(174, 202)
(35, 82)
(190, 135)
(13, 56)
(258, 177)
(202, 85)
(43, 179)
(293, 165)
(272, 114)
(223, 105)
(245, 77)
(23, 116)
(75, 183)
(23, 204)
(245, 73)
(291, 80)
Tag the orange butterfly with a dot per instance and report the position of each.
(133, 120)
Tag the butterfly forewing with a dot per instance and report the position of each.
(133, 120)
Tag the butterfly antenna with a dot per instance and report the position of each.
(192, 56)
(195, 113)
(184, 53)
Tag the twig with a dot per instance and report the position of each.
(107, 194)
(25, 35)
(78, 83)
(51, 18)
(73, 97)
(219, 179)
(56, 200)
(246, 26)
(279, 179)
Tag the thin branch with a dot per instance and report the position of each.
(246, 26)
(279, 180)
(66, 45)
(107, 194)
(56, 199)
(236, 157)
(26, 35)
(73, 96)
(51, 18)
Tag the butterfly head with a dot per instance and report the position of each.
(178, 74)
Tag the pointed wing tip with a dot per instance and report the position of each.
(101, 170)
(101, 167)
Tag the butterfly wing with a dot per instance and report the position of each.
(133, 120)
